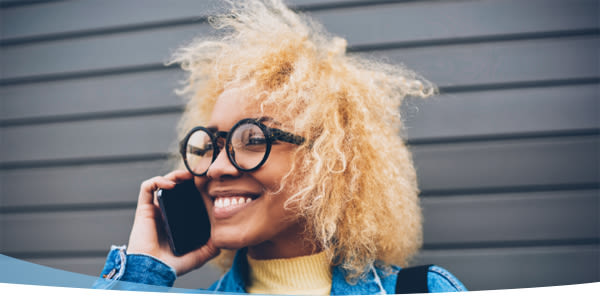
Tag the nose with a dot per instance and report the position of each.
(222, 168)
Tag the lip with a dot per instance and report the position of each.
(220, 213)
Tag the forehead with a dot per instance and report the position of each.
(233, 105)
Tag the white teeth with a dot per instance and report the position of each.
(231, 201)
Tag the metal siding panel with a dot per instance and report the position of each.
(512, 217)
(427, 20)
(96, 52)
(94, 138)
(503, 112)
(502, 62)
(129, 91)
(487, 112)
(65, 230)
(86, 15)
(445, 19)
(102, 184)
(486, 269)
(511, 164)
(495, 62)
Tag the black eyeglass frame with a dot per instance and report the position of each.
(271, 134)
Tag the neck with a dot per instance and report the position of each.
(288, 244)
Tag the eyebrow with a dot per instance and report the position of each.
(269, 119)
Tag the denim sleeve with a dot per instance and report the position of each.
(440, 280)
(136, 268)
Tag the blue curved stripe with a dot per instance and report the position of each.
(18, 271)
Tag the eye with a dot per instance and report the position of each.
(249, 137)
(200, 151)
(256, 140)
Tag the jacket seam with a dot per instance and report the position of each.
(447, 276)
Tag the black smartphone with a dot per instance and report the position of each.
(185, 217)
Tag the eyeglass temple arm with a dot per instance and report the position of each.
(286, 136)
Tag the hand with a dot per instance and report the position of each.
(148, 235)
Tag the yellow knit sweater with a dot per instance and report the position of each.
(304, 275)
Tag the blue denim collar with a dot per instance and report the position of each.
(234, 281)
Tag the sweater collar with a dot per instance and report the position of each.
(234, 280)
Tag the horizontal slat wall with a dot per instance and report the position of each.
(508, 163)
(88, 96)
(124, 49)
(110, 137)
(507, 155)
(504, 112)
(64, 18)
(77, 185)
(529, 266)
(553, 58)
(444, 18)
(520, 62)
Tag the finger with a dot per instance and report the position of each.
(149, 186)
(179, 176)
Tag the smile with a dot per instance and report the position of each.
(226, 206)
(224, 202)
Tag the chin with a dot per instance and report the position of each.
(228, 241)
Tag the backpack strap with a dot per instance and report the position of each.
(412, 280)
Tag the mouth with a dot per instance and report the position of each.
(225, 206)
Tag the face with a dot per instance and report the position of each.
(261, 223)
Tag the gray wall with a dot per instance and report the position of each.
(507, 155)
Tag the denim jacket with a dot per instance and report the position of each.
(138, 268)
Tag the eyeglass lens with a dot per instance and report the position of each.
(248, 147)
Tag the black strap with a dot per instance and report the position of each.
(412, 280)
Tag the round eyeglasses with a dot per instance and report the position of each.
(247, 144)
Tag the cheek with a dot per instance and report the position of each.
(200, 182)
(274, 170)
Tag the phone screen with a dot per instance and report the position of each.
(185, 217)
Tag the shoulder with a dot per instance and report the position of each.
(440, 280)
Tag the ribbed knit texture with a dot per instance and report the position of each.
(304, 275)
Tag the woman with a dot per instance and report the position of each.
(331, 208)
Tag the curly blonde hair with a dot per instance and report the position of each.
(355, 184)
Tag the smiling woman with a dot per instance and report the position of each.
(263, 224)
(295, 148)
